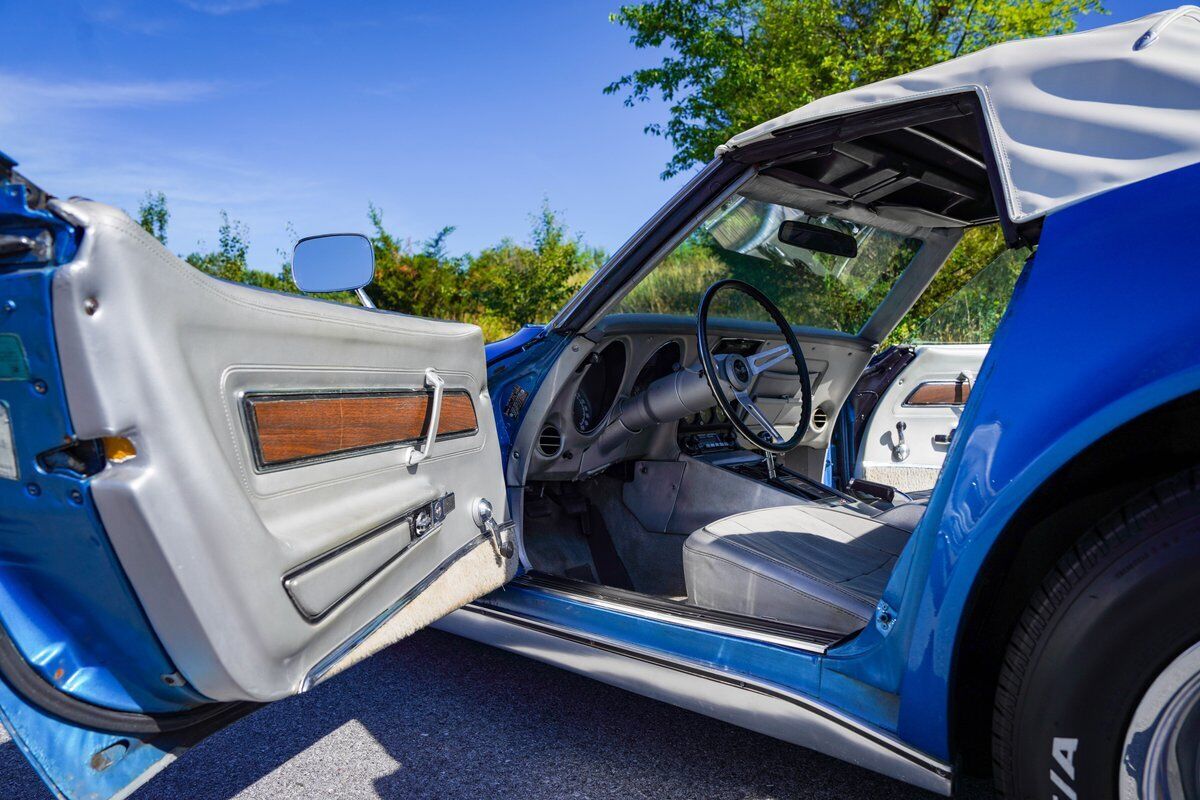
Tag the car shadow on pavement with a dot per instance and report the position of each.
(440, 716)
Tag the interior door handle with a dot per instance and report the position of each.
(435, 382)
(900, 449)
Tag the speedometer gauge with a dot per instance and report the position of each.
(582, 411)
(598, 387)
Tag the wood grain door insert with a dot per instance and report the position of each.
(940, 393)
(292, 429)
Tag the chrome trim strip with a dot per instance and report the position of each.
(667, 246)
(323, 666)
(732, 697)
(1155, 31)
(437, 509)
(616, 261)
(247, 400)
(708, 626)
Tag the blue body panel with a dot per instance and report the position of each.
(1102, 329)
(522, 360)
(781, 666)
(89, 638)
(66, 758)
(503, 348)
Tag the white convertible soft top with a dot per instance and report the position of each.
(1070, 116)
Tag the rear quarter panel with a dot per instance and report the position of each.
(1101, 329)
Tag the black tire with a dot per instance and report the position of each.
(1113, 613)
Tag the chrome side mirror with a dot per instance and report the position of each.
(334, 262)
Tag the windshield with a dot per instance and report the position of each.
(741, 240)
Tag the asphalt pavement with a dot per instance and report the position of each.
(438, 716)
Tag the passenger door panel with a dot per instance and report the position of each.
(927, 396)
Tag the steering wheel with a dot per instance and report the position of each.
(736, 375)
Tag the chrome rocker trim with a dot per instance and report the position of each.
(729, 697)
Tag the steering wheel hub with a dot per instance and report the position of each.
(738, 372)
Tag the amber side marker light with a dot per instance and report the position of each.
(118, 449)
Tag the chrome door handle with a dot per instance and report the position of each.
(435, 382)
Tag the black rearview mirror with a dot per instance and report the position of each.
(334, 262)
(817, 239)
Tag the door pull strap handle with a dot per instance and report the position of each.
(435, 382)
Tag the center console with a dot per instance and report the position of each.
(709, 438)
(787, 480)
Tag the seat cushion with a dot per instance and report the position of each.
(807, 565)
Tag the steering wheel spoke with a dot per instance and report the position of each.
(747, 402)
(761, 362)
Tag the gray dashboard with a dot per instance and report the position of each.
(628, 346)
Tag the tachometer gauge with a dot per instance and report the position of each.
(582, 409)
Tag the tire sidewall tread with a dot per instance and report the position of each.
(1048, 689)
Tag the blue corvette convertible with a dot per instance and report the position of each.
(732, 473)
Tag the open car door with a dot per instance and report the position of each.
(213, 496)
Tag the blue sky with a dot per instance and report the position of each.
(301, 112)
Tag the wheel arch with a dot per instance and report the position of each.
(1158, 442)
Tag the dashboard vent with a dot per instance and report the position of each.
(549, 441)
(820, 419)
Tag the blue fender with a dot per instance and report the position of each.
(1102, 328)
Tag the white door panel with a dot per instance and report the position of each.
(260, 575)
(928, 398)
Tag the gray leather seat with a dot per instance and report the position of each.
(805, 564)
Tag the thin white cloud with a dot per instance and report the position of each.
(83, 137)
(118, 16)
(23, 97)
(388, 89)
(222, 7)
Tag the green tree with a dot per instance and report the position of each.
(969, 295)
(518, 284)
(425, 283)
(732, 64)
(499, 289)
(153, 215)
(229, 260)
